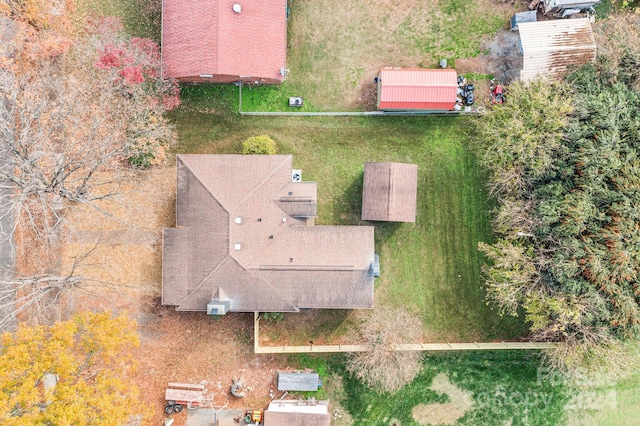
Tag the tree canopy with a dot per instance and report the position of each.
(90, 357)
(564, 163)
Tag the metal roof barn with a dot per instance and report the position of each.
(298, 381)
(549, 48)
(402, 89)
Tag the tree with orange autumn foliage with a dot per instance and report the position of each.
(71, 373)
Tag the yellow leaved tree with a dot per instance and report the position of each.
(75, 372)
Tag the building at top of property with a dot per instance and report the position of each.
(417, 89)
(222, 41)
(244, 241)
(550, 48)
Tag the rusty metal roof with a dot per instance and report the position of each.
(389, 192)
(550, 47)
(206, 37)
(416, 88)
(239, 234)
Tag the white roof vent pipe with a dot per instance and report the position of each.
(237, 8)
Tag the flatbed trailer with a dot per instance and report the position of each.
(179, 395)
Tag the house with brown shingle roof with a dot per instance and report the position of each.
(390, 192)
(222, 41)
(245, 241)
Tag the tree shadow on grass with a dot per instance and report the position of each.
(348, 210)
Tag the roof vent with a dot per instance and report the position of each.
(296, 175)
(238, 246)
(237, 8)
(238, 220)
(374, 267)
(218, 307)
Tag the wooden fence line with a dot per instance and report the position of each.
(475, 346)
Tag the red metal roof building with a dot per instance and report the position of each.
(223, 41)
(401, 89)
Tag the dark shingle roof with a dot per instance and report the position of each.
(390, 192)
(238, 234)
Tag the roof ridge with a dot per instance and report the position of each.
(266, 178)
(193, 291)
(205, 186)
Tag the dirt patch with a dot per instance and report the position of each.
(502, 60)
(448, 413)
(191, 348)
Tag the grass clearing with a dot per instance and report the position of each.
(141, 18)
(336, 48)
(483, 388)
(431, 267)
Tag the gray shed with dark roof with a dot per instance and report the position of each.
(298, 381)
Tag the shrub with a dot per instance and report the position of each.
(273, 317)
(381, 367)
(262, 144)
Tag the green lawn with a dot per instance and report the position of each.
(503, 388)
(431, 267)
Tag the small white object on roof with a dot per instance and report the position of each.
(238, 220)
(237, 8)
(238, 246)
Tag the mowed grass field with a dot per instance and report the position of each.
(431, 267)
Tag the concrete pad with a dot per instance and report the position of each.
(208, 417)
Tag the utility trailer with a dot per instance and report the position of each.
(179, 395)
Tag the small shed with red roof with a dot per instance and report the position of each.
(417, 89)
(223, 41)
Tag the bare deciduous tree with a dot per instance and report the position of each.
(55, 140)
(72, 125)
(382, 367)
